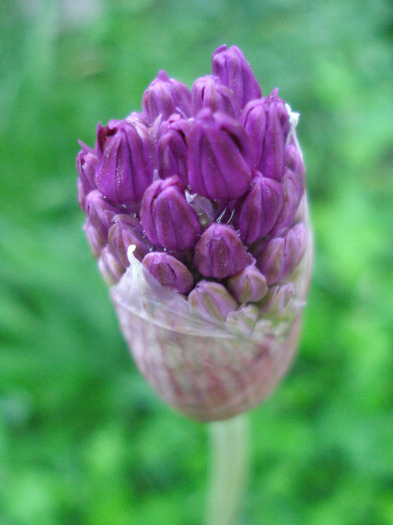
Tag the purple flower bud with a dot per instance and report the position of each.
(253, 118)
(165, 96)
(127, 164)
(81, 196)
(208, 92)
(86, 164)
(211, 301)
(270, 260)
(100, 213)
(109, 267)
(259, 208)
(235, 72)
(277, 127)
(277, 298)
(220, 157)
(125, 231)
(172, 149)
(292, 192)
(220, 253)
(294, 162)
(295, 246)
(95, 241)
(281, 255)
(169, 221)
(248, 285)
(168, 271)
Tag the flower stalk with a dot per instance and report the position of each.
(229, 469)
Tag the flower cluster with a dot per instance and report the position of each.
(208, 188)
(206, 183)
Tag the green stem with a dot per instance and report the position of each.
(229, 469)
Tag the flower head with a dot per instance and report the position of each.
(197, 213)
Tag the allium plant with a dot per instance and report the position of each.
(197, 214)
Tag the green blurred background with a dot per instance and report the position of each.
(83, 440)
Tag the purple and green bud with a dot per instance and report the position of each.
(294, 162)
(249, 285)
(109, 267)
(127, 231)
(211, 300)
(169, 271)
(281, 255)
(220, 253)
(277, 299)
(220, 157)
(164, 97)
(96, 242)
(167, 218)
(233, 70)
(291, 192)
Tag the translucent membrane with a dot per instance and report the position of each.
(205, 369)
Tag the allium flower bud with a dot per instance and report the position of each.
(220, 157)
(169, 272)
(172, 149)
(292, 192)
(277, 127)
(100, 213)
(127, 231)
(165, 96)
(235, 72)
(220, 253)
(281, 255)
(294, 162)
(86, 164)
(208, 92)
(167, 218)
(258, 210)
(211, 301)
(96, 242)
(109, 267)
(197, 213)
(128, 160)
(249, 285)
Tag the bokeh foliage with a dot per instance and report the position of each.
(83, 440)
